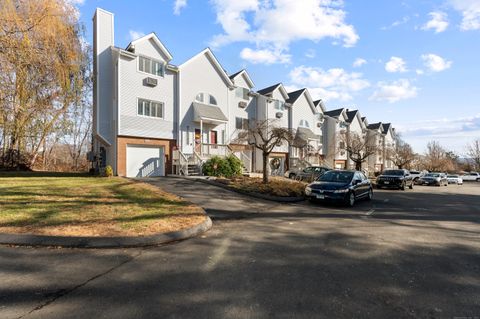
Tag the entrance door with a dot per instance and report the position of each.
(198, 139)
(213, 138)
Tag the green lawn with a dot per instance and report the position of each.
(82, 205)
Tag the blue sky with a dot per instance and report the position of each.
(414, 63)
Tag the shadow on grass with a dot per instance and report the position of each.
(4, 174)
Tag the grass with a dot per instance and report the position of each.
(82, 205)
(277, 186)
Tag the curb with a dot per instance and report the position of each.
(105, 242)
(256, 195)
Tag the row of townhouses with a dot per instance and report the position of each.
(153, 118)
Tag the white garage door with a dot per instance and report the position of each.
(143, 161)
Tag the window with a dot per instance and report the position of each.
(279, 105)
(150, 108)
(206, 98)
(242, 93)
(342, 145)
(150, 66)
(304, 123)
(241, 123)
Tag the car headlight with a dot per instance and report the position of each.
(346, 190)
(308, 190)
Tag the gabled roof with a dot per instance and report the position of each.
(293, 97)
(269, 90)
(156, 40)
(215, 63)
(334, 113)
(386, 127)
(351, 115)
(374, 126)
(319, 103)
(245, 75)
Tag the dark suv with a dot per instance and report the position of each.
(395, 178)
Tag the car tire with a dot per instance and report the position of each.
(403, 186)
(370, 194)
(411, 185)
(291, 176)
(350, 200)
(478, 180)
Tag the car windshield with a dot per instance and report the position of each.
(336, 177)
(432, 175)
(452, 176)
(393, 172)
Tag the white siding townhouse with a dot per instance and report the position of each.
(152, 118)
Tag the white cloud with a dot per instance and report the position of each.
(435, 63)
(332, 84)
(359, 62)
(395, 64)
(134, 35)
(178, 6)
(470, 10)
(438, 22)
(397, 23)
(264, 56)
(278, 23)
(419, 71)
(394, 91)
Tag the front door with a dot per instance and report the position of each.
(198, 139)
(213, 137)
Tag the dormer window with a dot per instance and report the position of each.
(206, 98)
(304, 123)
(151, 66)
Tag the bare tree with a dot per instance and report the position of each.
(358, 147)
(436, 158)
(401, 154)
(265, 135)
(473, 151)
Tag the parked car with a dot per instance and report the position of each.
(309, 174)
(416, 175)
(342, 186)
(471, 177)
(437, 179)
(454, 179)
(395, 178)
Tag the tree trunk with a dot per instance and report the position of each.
(358, 166)
(265, 165)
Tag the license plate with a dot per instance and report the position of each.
(320, 196)
(386, 183)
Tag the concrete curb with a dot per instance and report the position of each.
(105, 242)
(239, 191)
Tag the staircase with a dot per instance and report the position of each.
(193, 170)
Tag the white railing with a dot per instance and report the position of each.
(209, 150)
(180, 161)
(247, 161)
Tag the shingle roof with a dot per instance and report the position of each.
(268, 90)
(374, 126)
(201, 111)
(232, 76)
(334, 113)
(351, 115)
(363, 118)
(386, 127)
(293, 96)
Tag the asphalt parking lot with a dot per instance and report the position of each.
(406, 254)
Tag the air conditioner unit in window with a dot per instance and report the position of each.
(150, 82)
(279, 115)
(242, 104)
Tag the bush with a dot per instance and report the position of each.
(108, 171)
(226, 167)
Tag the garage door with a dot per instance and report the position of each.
(145, 161)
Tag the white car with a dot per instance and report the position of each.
(472, 177)
(454, 179)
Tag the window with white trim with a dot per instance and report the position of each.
(151, 66)
(304, 123)
(206, 98)
(242, 93)
(241, 123)
(279, 105)
(150, 108)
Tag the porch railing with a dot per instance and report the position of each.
(209, 150)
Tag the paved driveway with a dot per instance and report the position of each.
(405, 254)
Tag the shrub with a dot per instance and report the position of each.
(226, 167)
(108, 171)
